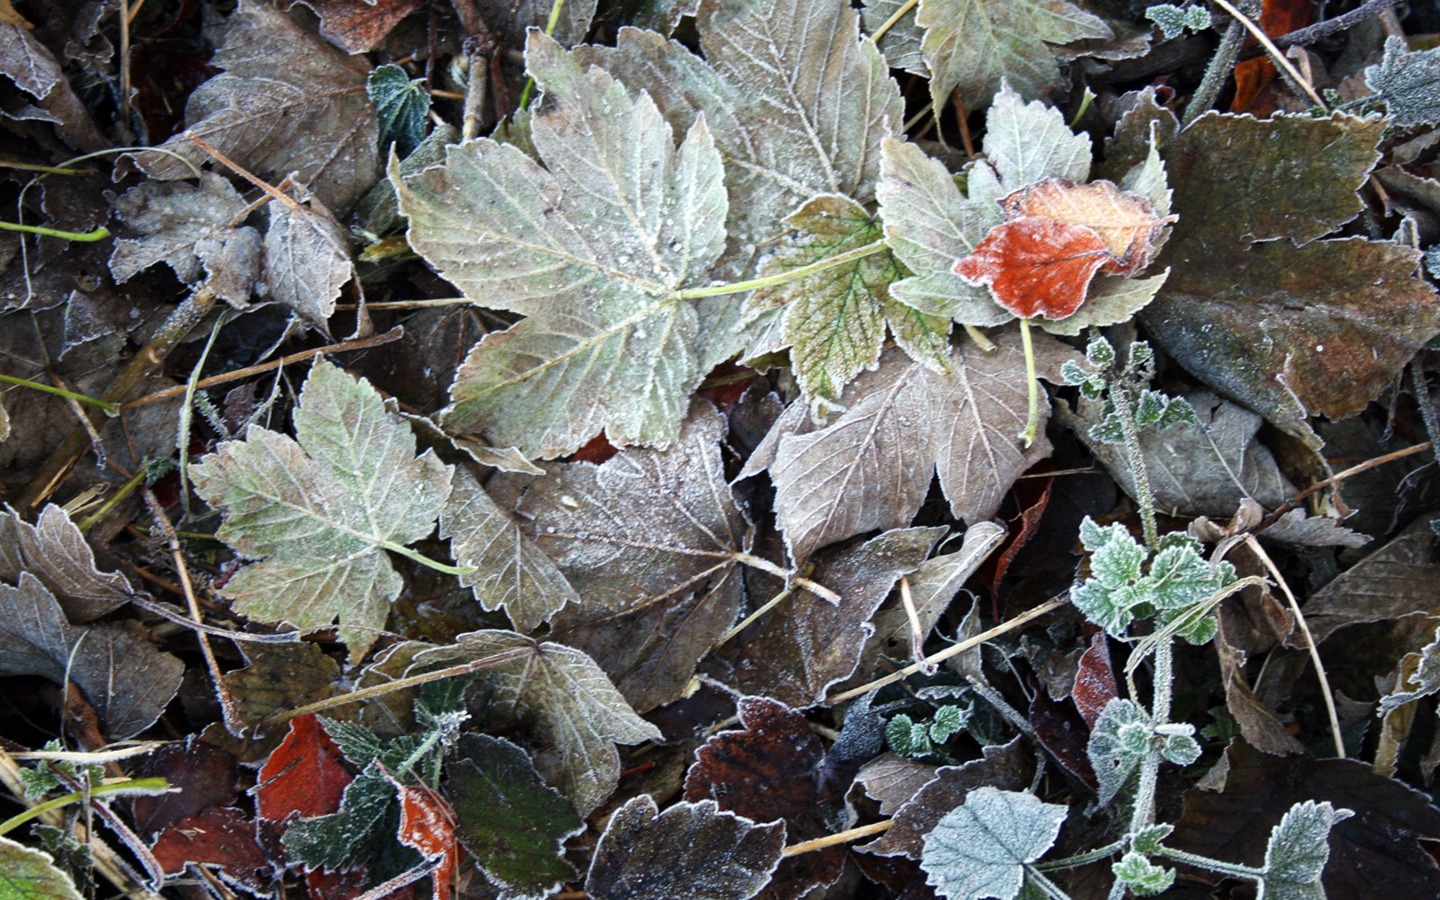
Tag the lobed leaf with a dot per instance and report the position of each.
(981, 848)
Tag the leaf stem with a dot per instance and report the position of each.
(111, 409)
(1214, 865)
(840, 837)
(1032, 388)
(738, 287)
(88, 237)
(426, 561)
(1144, 496)
(128, 787)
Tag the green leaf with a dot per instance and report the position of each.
(574, 711)
(1142, 876)
(320, 512)
(907, 737)
(401, 107)
(949, 721)
(1119, 742)
(981, 848)
(1175, 21)
(835, 320)
(974, 45)
(361, 834)
(590, 248)
(1408, 82)
(507, 819)
(27, 874)
(1297, 852)
(1029, 142)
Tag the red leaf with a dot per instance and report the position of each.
(428, 825)
(303, 775)
(220, 837)
(1094, 680)
(1036, 266)
(203, 773)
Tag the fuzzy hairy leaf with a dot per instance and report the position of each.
(1297, 851)
(278, 74)
(835, 320)
(1118, 745)
(577, 715)
(973, 46)
(320, 512)
(510, 570)
(401, 105)
(691, 850)
(125, 678)
(362, 832)
(980, 848)
(591, 248)
(1408, 82)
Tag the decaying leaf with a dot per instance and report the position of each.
(1394, 581)
(982, 848)
(54, 551)
(577, 715)
(320, 512)
(307, 259)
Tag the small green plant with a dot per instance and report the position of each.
(927, 737)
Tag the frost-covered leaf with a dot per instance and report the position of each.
(981, 848)
(796, 99)
(1423, 682)
(574, 711)
(307, 260)
(1175, 21)
(27, 874)
(401, 106)
(320, 512)
(1119, 742)
(835, 320)
(510, 822)
(1392, 582)
(1030, 142)
(691, 850)
(357, 28)
(361, 834)
(510, 570)
(190, 228)
(901, 43)
(427, 825)
(590, 248)
(125, 678)
(872, 466)
(651, 541)
(287, 102)
(797, 656)
(1408, 82)
(1297, 852)
(1143, 877)
(974, 45)
(55, 552)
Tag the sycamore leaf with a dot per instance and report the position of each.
(54, 550)
(591, 248)
(835, 320)
(320, 512)
(652, 540)
(1297, 851)
(512, 823)
(27, 874)
(973, 45)
(871, 467)
(125, 678)
(278, 76)
(577, 715)
(188, 227)
(511, 571)
(692, 850)
(981, 848)
(795, 97)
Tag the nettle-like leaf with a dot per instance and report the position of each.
(981, 848)
(974, 45)
(320, 512)
(835, 320)
(1297, 851)
(652, 540)
(1174, 21)
(1290, 331)
(691, 850)
(360, 835)
(1409, 83)
(279, 75)
(575, 712)
(591, 248)
(796, 99)
(1119, 743)
(872, 466)
(401, 106)
(27, 874)
(125, 678)
(1142, 876)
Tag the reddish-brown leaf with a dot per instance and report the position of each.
(428, 825)
(1125, 222)
(201, 776)
(220, 837)
(1036, 266)
(303, 775)
(1094, 680)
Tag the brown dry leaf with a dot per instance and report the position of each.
(307, 260)
(1395, 581)
(55, 552)
(1126, 223)
(357, 27)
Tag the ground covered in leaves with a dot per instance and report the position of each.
(753, 448)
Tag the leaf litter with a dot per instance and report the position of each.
(694, 440)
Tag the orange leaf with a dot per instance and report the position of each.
(428, 824)
(1125, 222)
(303, 775)
(1036, 266)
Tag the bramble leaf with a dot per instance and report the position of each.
(980, 849)
(320, 512)
(1408, 82)
(1297, 851)
(401, 106)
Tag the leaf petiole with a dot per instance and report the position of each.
(111, 409)
(1032, 385)
(424, 560)
(99, 234)
(738, 287)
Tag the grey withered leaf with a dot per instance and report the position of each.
(287, 102)
(652, 542)
(54, 551)
(871, 467)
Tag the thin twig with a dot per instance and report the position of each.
(1321, 30)
(840, 837)
(1293, 502)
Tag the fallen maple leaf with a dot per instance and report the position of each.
(1056, 235)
